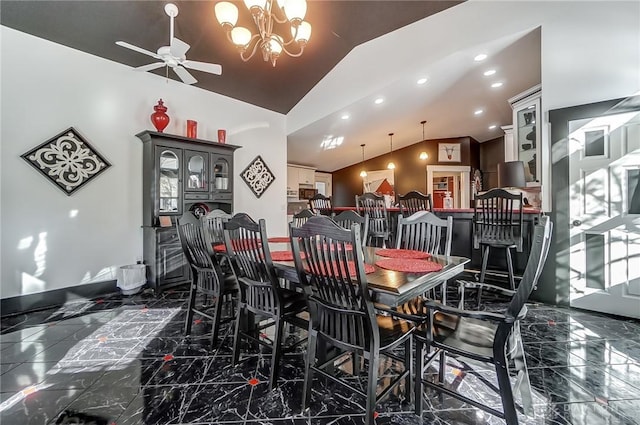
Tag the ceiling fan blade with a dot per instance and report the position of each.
(137, 49)
(178, 48)
(184, 75)
(150, 67)
(212, 68)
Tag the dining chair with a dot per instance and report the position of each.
(342, 313)
(321, 205)
(488, 337)
(424, 231)
(212, 224)
(375, 207)
(414, 201)
(207, 277)
(301, 217)
(498, 223)
(348, 218)
(260, 291)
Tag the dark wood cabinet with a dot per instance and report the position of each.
(179, 174)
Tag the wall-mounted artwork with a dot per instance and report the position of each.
(449, 152)
(258, 176)
(381, 182)
(67, 160)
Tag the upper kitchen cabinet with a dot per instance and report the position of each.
(522, 140)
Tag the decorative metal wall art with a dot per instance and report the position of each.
(258, 176)
(67, 160)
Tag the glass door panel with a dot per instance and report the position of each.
(168, 182)
(196, 172)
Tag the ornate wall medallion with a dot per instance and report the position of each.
(67, 160)
(258, 176)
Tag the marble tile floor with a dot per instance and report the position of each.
(124, 360)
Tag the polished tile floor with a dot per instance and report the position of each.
(123, 360)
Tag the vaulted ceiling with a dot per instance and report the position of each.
(341, 30)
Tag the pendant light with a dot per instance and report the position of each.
(391, 165)
(363, 173)
(423, 155)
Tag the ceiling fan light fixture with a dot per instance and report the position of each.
(265, 15)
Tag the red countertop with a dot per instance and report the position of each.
(443, 210)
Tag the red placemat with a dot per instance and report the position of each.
(402, 253)
(284, 255)
(368, 268)
(409, 265)
(279, 239)
(236, 246)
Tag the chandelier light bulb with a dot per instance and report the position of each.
(363, 173)
(226, 13)
(424, 156)
(391, 166)
(267, 15)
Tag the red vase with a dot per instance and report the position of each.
(159, 118)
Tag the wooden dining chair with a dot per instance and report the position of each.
(348, 218)
(414, 201)
(342, 313)
(260, 292)
(321, 205)
(207, 277)
(498, 223)
(374, 206)
(212, 223)
(488, 337)
(301, 217)
(424, 231)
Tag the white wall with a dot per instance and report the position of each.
(47, 88)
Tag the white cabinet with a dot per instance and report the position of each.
(292, 178)
(523, 144)
(306, 176)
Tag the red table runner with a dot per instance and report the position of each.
(237, 245)
(402, 253)
(408, 265)
(368, 268)
(284, 255)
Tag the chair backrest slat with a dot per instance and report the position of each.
(498, 217)
(348, 218)
(321, 205)
(197, 247)
(424, 231)
(301, 217)
(414, 201)
(212, 223)
(334, 274)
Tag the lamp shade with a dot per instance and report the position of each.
(511, 174)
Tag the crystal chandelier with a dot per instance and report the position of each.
(265, 14)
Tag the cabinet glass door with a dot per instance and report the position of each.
(221, 172)
(196, 171)
(527, 141)
(169, 182)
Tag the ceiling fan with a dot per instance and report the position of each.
(173, 55)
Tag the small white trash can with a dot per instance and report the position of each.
(132, 278)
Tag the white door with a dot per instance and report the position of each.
(604, 172)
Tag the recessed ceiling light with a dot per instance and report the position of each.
(480, 57)
(345, 117)
(496, 85)
(489, 72)
(422, 80)
(379, 100)
(478, 112)
(491, 127)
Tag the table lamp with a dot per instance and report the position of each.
(511, 174)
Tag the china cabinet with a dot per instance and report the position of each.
(522, 139)
(179, 174)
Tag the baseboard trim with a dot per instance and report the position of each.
(54, 298)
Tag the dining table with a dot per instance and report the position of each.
(389, 287)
